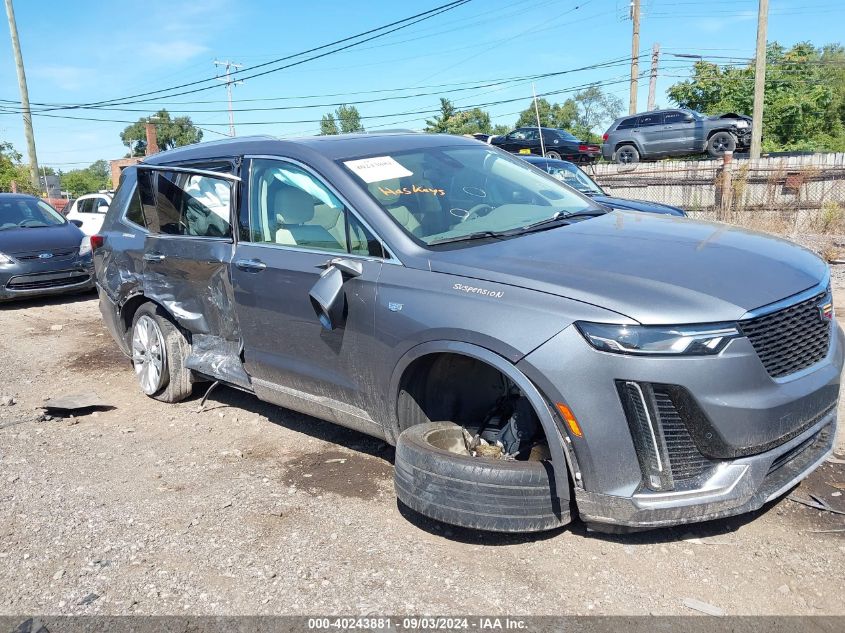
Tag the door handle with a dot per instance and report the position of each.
(153, 257)
(250, 265)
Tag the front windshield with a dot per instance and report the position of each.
(16, 213)
(574, 177)
(442, 194)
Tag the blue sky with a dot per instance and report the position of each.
(86, 51)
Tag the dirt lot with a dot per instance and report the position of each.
(245, 508)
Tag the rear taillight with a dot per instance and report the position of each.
(97, 241)
(583, 148)
(604, 137)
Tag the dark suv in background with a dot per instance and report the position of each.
(679, 132)
(558, 144)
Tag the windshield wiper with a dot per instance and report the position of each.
(479, 235)
(559, 218)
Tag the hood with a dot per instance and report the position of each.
(637, 205)
(655, 269)
(47, 238)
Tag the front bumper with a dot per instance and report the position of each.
(20, 281)
(750, 436)
(734, 487)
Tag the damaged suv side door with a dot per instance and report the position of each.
(299, 246)
(187, 253)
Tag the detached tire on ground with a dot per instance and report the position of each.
(473, 492)
(159, 350)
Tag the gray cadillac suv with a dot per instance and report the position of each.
(532, 355)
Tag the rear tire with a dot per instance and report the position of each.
(627, 155)
(720, 143)
(156, 340)
(553, 155)
(473, 492)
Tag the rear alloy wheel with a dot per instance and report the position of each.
(627, 155)
(159, 350)
(553, 155)
(436, 476)
(720, 143)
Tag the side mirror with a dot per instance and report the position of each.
(103, 208)
(689, 118)
(327, 296)
(77, 223)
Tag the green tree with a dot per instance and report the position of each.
(344, 120)
(12, 170)
(328, 126)
(349, 119)
(170, 133)
(439, 124)
(805, 95)
(595, 108)
(88, 180)
(557, 115)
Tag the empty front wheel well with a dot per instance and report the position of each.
(453, 387)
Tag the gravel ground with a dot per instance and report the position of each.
(245, 508)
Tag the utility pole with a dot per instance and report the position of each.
(759, 80)
(635, 54)
(539, 129)
(229, 83)
(652, 81)
(27, 114)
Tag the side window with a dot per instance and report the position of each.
(650, 119)
(532, 135)
(289, 206)
(134, 212)
(673, 117)
(127, 195)
(101, 202)
(85, 206)
(361, 241)
(627, 124)
(180, 203)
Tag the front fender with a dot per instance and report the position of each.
(550, 422)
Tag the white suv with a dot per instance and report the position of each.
(89, 210)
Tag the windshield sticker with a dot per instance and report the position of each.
(484, 292)
(377, 169)
(407, 191)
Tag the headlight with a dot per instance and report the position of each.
(686, 340)
(5, 259)
(85, 245)
(742, 123)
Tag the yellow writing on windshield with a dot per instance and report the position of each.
(407, 191)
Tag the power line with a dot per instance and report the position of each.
(397, 25)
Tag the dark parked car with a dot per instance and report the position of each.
(557, 143)
(575, 177)
(680, 132)
(528, 351)
(41, 253)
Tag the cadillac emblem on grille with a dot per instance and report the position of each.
(826, 308)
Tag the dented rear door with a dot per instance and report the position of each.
(189, 248)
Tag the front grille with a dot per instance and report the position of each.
(791, 339)
(684, 458)
(35, 283)
(33, 255)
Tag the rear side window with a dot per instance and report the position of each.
(86, 206)
(191, 205)
(627, 123)
(127, 196)
(650, 119)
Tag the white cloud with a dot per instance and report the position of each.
(71, 78)
(171, 51)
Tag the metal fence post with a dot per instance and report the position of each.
(726, 187)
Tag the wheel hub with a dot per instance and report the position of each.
(148, 354)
